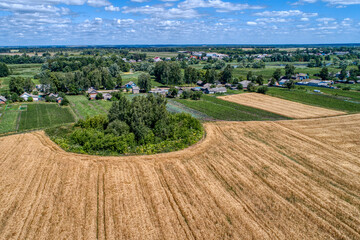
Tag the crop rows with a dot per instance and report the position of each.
(246, 180)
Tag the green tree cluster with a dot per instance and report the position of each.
(142, 125)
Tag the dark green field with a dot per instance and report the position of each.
(44, 115)
(223, 110)
(341, 100)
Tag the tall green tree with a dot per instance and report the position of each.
(16, 85)
(277, 74)
(324, 73)
(210, 76)
(144, 82)
(226, 75)
(175, 76)
(4, 70)
(249, 76)
(289, 70)
(191, 75)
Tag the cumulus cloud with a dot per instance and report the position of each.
(330, 2)
(217, 4)
(162, 12)
(111, 8)
(290, 13)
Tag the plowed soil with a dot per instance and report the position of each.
(280, 106)
(246, 180)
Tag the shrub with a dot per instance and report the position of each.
(346, 88)
(262, 89)
(30, 99)
(99, 96)
(240, 87)
(196, 95)
(251, 87)
(186, 94)
(65, 102)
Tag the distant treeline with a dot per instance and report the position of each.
(23, 59)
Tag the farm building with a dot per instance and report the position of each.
(245, 83)
(107, 96)
(159, 91)
(2, 100)
(59, 100)
(205, 86)
(196, 89)
(301, 76)
(199, 83)
(130, 84)
(157, 59)
(26, 96)
(92, 93)
(135, 90)
(215, 90)
(53, 95)
(317, 83)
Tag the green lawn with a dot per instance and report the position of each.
(348, 101)
(134, 78)
(8, 119)
(223, 110)
(84, 108)
(41, 115)
(20, 70)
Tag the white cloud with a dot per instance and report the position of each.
(290, 13)
(217, 4)
(111, 8)
(161, 12)
(251, 23)
(340, 3)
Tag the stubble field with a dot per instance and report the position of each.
(280, 106)
(246, 180)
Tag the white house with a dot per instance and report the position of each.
(26, 96)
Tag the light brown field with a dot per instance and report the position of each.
(247, 180)
(280, 106)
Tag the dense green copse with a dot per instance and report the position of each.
(4, 70)
(142, 125)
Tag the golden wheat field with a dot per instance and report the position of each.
(280, 106)
(296, 179)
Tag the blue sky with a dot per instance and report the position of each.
(84, 22)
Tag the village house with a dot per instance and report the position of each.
(159, 91)
(92, 93)
(107, 96)
(53, 95)
(2, 100)
(26, 97)
(245, 83)
(205, 86)
(301, 76)
(215, 90)
(135, 90)
(157, 59)
(130, 84)
(59, 100)
(317, 83)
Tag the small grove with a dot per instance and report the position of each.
(140, 126)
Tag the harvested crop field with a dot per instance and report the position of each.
(280, 106)
(245, 180)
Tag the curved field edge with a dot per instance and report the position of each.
(246, 180)
(280, 106)
(329, 98)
